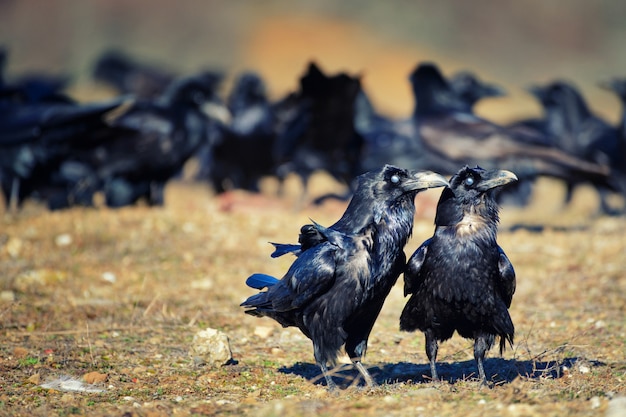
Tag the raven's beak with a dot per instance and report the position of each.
(496, 178)
(426, 179)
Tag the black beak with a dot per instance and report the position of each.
(426, 179)
(496, 178)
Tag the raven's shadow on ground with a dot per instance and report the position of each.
(502, 371)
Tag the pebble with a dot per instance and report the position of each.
(212, 347)
(109, 277)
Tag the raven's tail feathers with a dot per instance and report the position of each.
(503, 339)
(260, 281)
(284, 248)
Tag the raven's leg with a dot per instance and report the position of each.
(366, 375)
(321, 361)
(329, 381)
(356, 352)
(356, 343)
(431, 352)
(481, 346)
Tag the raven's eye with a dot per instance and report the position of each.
(469, 181)
(394, 179)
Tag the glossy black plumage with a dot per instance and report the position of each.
(335, 288)
(460, 279)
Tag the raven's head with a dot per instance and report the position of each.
(432, 92)
(471, 89)
(477, 181)
(249, 89)
(561, 95)
(392, 182)
(386, 193)
(471, 194)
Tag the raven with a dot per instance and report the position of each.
(37, 139)
(315, 129)
(335, 289)
(575, 129)
(460, 279)
(150, 142)
(243, 154)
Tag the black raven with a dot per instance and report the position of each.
(36, 139)
(316, 129)
(243, 153)
(335, 289)
(575, 129)
(460, 279)
(149, 143)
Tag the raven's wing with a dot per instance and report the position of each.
(506, 283)
(469, 139)
(313, 273)
(310, 235)
(411, 274)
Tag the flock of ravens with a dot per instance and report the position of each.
(62, 152)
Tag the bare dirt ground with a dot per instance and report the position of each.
(114, 298)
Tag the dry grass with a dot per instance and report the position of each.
(122, 293)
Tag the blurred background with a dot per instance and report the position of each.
(510, 43)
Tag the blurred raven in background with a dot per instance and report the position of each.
(444, 133)
(460, 279)
(335, 289)
(243, 153)
(150, 142)
(318, 132)
(572, 127)
(37, 140)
